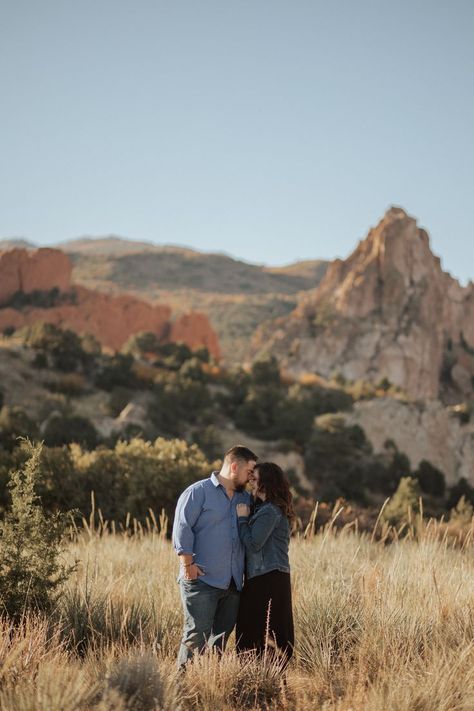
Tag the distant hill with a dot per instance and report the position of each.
(13, 242)
(175, 268)
(308, 269)
(108, 245)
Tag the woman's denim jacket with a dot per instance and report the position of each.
(266, 538)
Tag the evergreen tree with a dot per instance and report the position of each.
(31, 572)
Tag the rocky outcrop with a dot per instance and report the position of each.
(26, 271)
(422, 431)
(194, 329)
(387, 311)
(111, 319)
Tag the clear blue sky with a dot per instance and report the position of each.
(272, 130)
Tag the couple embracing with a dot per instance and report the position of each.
(222, 536)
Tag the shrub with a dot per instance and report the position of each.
(178, 401)
(266, 371)
(41, 298)
(384, 472)
(15, 423)
(117, 372)
(90, 345)
(320, 400)
(59, 484)
(209, 441)
(272, 411)
(431, 479)
(336, 458)
(462, 512)
(31, 573)
(173, 355)
(170, 355)
(137, 475)
(159, 472)
(6, 465)
(139, 682)
(405, 499)
(40, 360)
(63, 345)
(383, 384)
(64, 430)
(362, 390)
(461, 488)
(70, 384)
(142, 343)
(258, 413)
(237, 383)
(202, 354)
(193, 370)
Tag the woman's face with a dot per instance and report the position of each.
(254, 482)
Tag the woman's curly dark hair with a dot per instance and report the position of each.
(273, 482)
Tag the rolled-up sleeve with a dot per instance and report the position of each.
(254, 535)
(188, 508)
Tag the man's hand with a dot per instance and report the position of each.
(191, 572)
(189, 568)
(243, 510)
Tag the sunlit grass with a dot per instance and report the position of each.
(377, 627)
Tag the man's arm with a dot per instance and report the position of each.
(188, 510)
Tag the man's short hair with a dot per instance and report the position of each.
(241, 453)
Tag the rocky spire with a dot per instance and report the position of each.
(388, 310)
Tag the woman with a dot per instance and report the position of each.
(265, 616)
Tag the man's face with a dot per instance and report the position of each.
(240, 473)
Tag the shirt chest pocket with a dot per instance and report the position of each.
(214, 514)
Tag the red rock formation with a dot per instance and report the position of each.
(25, 271)
(111, 319)
(193, 328)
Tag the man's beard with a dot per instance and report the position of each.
(240, 488)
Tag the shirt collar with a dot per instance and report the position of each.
(214, 479)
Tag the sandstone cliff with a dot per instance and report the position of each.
(111, 319)
(388, 310)
(25, 271)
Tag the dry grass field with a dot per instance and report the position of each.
(377, 627)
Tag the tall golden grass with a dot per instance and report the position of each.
(377, 627)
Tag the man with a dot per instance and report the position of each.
(206, 539)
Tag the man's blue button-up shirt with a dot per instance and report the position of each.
(205, 526)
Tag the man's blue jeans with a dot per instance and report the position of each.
(209, 617)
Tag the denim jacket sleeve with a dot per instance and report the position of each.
(255, 535)
(188, 509)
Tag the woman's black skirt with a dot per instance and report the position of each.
(265, 614)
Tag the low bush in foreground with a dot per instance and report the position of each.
(31, 571)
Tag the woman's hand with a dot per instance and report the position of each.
(243, 510)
